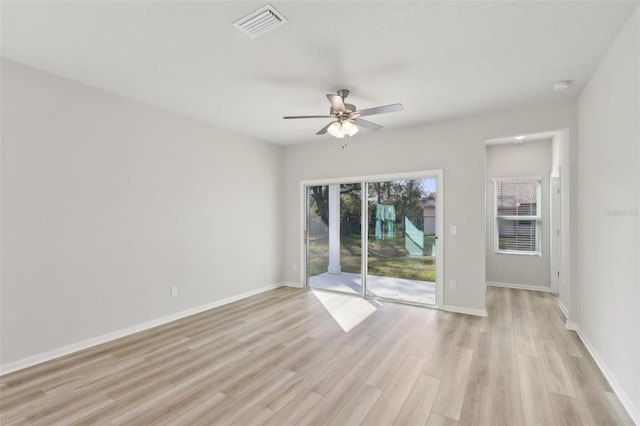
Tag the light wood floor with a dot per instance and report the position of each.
(280, 358)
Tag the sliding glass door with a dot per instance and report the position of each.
(399, 257)
(334, 238)
(401, 243)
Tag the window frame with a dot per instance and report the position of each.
(537, 218)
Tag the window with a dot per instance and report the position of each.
(517, 213)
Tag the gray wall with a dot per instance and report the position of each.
(509, 160)
(457, 147)
(608, 223)
(107, 203)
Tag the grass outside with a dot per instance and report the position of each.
(387, 258)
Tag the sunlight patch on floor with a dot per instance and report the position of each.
(347, 311)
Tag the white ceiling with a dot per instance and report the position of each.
(440, 59)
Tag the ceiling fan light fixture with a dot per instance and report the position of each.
(348, 128)
(347, 121)
(335, 130)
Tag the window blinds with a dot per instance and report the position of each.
(517, 212)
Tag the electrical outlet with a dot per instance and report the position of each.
(453, 230)
(453, 284)
(295, 267)
(174, 291)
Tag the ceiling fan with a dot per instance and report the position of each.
(347, 117)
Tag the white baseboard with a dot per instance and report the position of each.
(75, 347)
(520, 286)
(571, 326)
(627, 402)
(564, 309)
(468, 311)
(292, 284)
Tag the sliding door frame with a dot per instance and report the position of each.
(364, 181)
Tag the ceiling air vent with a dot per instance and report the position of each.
(260, 21)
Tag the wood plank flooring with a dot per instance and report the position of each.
(282, 358)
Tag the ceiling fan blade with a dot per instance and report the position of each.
(324, 129)
(379, 110)
(336, 102)
(306, 116)
(367, 124)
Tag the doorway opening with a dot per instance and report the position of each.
(527, 213)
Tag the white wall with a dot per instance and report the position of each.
(608, 204)
(457, 147)
(509, 160)
(107, 203)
